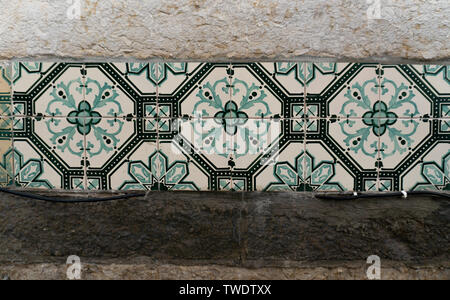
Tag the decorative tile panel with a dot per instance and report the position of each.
(271, 126)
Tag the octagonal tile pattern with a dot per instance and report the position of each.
(269, 126)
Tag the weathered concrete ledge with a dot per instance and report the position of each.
(146, 269)
(243, 230)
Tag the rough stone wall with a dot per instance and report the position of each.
(220, 30)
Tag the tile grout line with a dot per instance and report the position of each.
(85, 169)
(158, 146)
(379, 164)
(11, 93)
(305, 127)
(230, 98)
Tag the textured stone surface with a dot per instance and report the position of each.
(246, 230)
(145, 269)
(209, 29)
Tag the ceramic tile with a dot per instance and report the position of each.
(236, 90)
(288, 76)
(328, 169)
(201, 90)
(322, 77)
(48, 153)
(204, 147)
(285, 82)
(254, 94)
(6, 153)
(109, 93)
(109, 143)
(436, 77)
(343, 155)
(141, 77)
(278, 142)
(142, 168)
(401, 138)
(297, 126)
(285, 172)
(5, 92)
(342, 90)
(46, 89)
(404, 94)
(418, 161)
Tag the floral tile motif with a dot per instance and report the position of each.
(436, 77)
(403, 96)
(296, 126)
(424, 166)
(259, 170)
(78, 90)
(45, 89)
(6, 161)
(342, 90)
(284, 172)
(227, 90)
(203, 91)
(47, 153)
(205, 147)
(343, 155)
(112, 144)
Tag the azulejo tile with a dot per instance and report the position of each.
(107, 93)
(5, 92)
(289, 76)
(403, 93)
(284, 172)
(321, 76)
(200, 93)
(76, 90)
(279, 140)
(294, 126)
(325, 171)
(141, 76)
(343, 90)
(253, 93)
(351, 147)
(424, 166)
(109, 142)
(236, 90)
(47, 153)
(436, 77)
(45, 89)
(400, 139)
(142, 169)
(205, 147)
(6, 152)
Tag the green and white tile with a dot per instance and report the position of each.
(284, 172)
(436, 77)
(423, 166)
(343, 155)
(350, 91)
(204, 147)
(48, 153)
(298, 126)
(109, 142)
(404, 94)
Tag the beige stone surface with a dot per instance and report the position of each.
(221, 30)
(154, 271)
